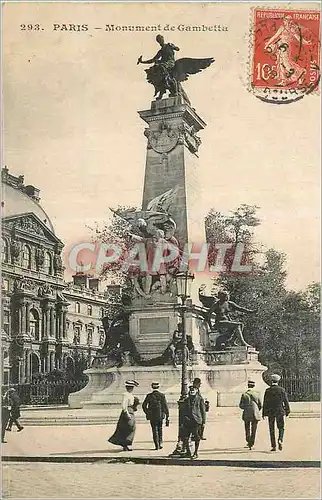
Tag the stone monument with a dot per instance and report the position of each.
(138, 342)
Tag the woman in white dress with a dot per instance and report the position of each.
(125, 429)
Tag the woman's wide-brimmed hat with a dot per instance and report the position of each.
(131, 383)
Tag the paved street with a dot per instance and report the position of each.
(225, 440)
(102, 480)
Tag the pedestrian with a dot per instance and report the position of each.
(125, 428)
(275, 407)
(14, 410)
(197, 384)
(5, 415)
(193, 418)
(250, 403)
(156, 409)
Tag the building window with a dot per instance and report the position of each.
(102, 312)
(6, 321)
(5, 285)
(77, 332)
(26, 257)
(101, 337)
(77, 307)
(89, 336)
(34, 324)
(4, 250)
(48, 268)
(89, 310)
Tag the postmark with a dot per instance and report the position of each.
(285, 54)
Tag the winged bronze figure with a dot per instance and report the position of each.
(167, 73)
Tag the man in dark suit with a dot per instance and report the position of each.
(251, 405)
(14, 411)
(193, 418)
(155, 408)
(275, 407)
(5, 415)
(197, 384)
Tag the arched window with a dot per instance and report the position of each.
(77, 307)
(34, 363)
(4, 250)
(89, 310)
(26, 257)
(34, 324)
(48, 267)
(77, 335)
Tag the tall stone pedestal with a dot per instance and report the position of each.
(152, 324)
(222, 383)
(171, 162)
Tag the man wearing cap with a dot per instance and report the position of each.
(275, 407)
(155, 408)
(251, 405)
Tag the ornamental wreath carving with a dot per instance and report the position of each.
(163, 139)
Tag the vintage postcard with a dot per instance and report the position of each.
(160, 286)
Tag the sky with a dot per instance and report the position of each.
(71, 123)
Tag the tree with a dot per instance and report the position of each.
(236, 228)
(116, 232)
(285, 328)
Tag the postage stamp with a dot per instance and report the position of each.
(285, 54)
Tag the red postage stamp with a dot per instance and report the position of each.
(286, 54)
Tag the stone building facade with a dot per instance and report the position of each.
(47, 323)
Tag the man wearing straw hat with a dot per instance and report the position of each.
(275, 407)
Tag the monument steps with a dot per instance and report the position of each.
(52, 416)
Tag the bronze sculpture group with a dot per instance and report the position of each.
(155, 228)
(167, 73)
(220, 309)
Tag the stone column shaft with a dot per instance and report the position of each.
(64, 332)
(52, 322)
(27, 317)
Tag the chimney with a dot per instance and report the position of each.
(81, 279)
(95, 284)
(113, 289)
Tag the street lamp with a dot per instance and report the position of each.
(183, 281)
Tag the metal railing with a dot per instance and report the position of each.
(47, 392)
(302, 387)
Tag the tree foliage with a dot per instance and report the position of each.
(285, 328)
